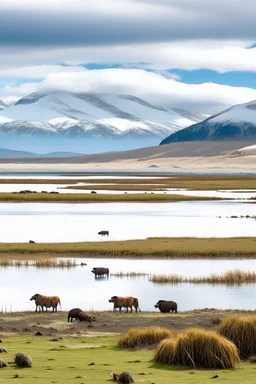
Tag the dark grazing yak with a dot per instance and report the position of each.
(126, 302)
(167, 306)
(42, 301)
(100, 271)
(79, 314)
(103, 233)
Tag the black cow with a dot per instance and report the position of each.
(100, 271)
(103, 233)
(167, 306)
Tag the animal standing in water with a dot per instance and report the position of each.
(103, 233)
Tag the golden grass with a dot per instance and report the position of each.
(99, 198)
(144, 337)
(241, 330)
(175, 248)
(190, 182)
(128, 274)
(198, 348)
(41, 263)
(230, 277)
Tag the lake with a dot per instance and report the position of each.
(77, 287)
(57, 222)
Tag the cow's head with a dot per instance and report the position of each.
(159, 303)
(113, 299)
(35, 296)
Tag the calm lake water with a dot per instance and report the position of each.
(77, 287)
(55, 222)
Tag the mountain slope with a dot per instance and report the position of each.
(12, 154)
(235, 123)
(92, 116)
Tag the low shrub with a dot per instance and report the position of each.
(144, 337)
(241, 330)
(199, 349)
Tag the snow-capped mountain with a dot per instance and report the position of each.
(92, 116)
(235, 123)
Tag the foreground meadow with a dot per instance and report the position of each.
(84, 359)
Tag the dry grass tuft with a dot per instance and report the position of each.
(241, 330)
(230, 277)
(144, 337)
(198, 349)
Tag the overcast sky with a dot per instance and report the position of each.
(195, 54)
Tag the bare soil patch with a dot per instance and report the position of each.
(55, 324)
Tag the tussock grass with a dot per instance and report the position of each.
(99, 198)
(173, 248)
(199, 349)
(241, 330)
(144, 337)
(230, 277)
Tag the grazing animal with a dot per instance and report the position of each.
(2, 350)
(3, 363)
(103, 233)
(32, 242)
(79, 314)
(125, 378)
(46, 301)
(126, 302)
(100, 271)
(167, 306)
(23, 360)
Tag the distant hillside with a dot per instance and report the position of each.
(10, 153)
(235, 123)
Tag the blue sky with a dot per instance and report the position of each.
(198, 54)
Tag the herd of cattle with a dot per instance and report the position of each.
(119, 302)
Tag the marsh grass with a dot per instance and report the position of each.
(147, 337)
(230, 277)
(241, 330)
(99, 198)
(190, 182)
(41, 263)
(129, 274)
(198, 348)
(172, 248)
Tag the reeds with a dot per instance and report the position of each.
(231, 277)
(241, 330)
(129, 274)
(144, 337)
(41, 263)
(198, 348)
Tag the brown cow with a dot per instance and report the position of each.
(100, 271)
(46, 301)
(126, 302)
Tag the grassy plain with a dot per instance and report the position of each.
(234, 247)
(84, 360)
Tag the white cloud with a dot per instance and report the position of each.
(36, 71)
(204, 98)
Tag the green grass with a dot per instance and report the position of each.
(242, 247)
(229, 277)
(67, 361)
(99, 198)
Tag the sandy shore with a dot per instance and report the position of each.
(177, 158)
